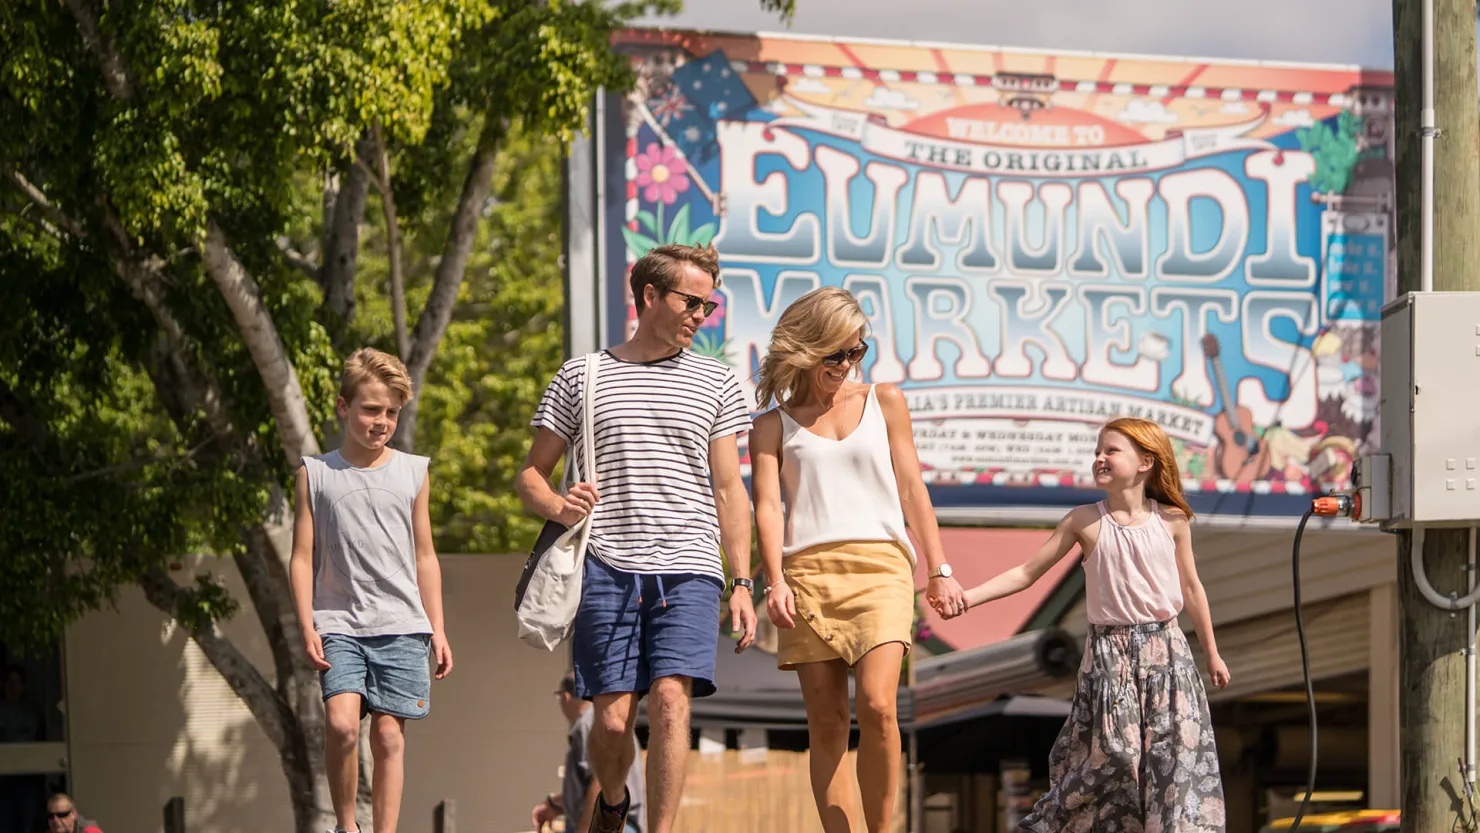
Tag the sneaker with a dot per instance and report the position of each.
(608, 819)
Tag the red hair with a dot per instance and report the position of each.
(1164, 484)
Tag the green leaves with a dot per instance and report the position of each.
(1335, 152)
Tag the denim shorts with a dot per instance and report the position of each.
(392, 674)
(632, 629)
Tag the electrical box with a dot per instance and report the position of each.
(1372, 482)
(1429, 408)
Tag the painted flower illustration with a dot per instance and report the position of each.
(660, 174)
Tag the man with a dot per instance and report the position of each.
(576, 799)
(62, 817)
(666, 495)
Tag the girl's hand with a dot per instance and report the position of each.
(945, 595)
(1218, 670)
(781, 605)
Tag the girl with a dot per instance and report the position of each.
(838, 560)
(1137, 752)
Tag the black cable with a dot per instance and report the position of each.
(1310, 693)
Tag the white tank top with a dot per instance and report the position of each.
(1131, 578)
(840, 490)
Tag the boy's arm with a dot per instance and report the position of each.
(300, 570)
(429, 576)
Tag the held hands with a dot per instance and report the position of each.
(443, 652)
(742, 617)
(781, 605)
(1218, 670)
(578, 503)
(945, 595)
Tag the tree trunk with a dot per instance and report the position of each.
(1432, 666)
(259, 333)
(342, 244)
(431, 325)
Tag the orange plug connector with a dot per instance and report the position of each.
(1334, 506)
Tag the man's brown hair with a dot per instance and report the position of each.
(662, 267)
(368, 364)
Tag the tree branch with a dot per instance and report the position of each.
(298, 260)
(271, 712)
(431, 325)
(244, 297)
(379, 169)
(115, 73)
(342, 243)
(48, 210)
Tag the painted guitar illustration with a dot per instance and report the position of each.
(1242, 455)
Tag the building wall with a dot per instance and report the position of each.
(149, 718)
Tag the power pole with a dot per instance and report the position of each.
(1432, 641)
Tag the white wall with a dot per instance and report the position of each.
(149, 718)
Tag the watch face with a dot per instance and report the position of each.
(945, 571)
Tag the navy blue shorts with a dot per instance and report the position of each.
(392, 674)
(633, 629)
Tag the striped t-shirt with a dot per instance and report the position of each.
(654, 422)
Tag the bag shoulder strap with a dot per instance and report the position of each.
(588, 412)
(572, 473)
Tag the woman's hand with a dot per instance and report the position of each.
(781, 605)
(945, 595)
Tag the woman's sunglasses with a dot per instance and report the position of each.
(854, 355)
(693, 302)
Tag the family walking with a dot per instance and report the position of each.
(841, 515)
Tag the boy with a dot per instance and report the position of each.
(367, 586)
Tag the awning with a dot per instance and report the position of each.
(963, 681)
(958, 686)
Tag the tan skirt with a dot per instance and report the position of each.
(852, 597)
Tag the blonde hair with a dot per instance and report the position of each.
(370, 365)
(820, 323)
(1164, 484)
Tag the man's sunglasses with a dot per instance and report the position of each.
(854, 355)
(61, 815)
(693, 302)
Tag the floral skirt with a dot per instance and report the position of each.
(1137, 753)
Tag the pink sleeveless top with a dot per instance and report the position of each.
(1131, 577)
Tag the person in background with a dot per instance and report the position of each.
(62, 817)
(839, 456)
(1137, 751)
(577, 797)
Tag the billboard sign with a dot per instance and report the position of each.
(1042, 242)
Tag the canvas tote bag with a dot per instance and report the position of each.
(549, 590)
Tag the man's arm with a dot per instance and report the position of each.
(533, 483)
(732, 505)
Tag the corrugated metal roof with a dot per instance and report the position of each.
(1264, 654)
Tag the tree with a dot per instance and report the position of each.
(184, 197)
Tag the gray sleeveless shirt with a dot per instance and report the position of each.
(364, 550)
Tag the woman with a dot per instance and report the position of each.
(839, 564)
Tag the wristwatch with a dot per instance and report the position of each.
(743, 582)
(943, 571)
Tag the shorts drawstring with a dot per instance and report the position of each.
(661, 595)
